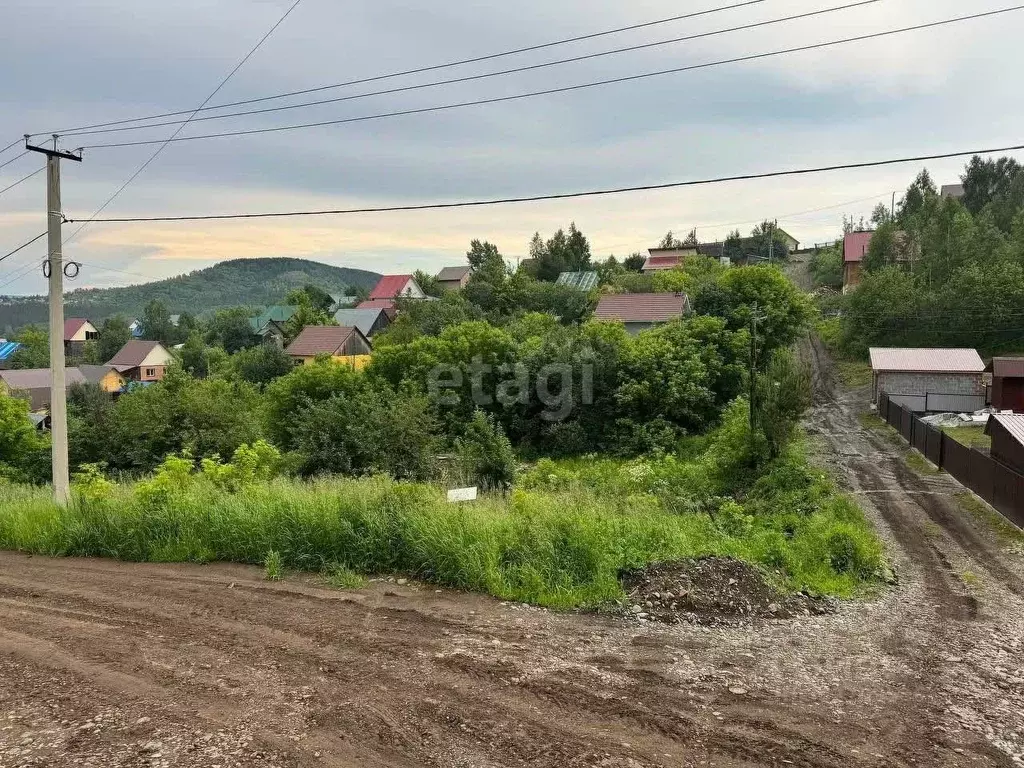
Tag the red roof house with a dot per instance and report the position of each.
(640, 311)
(660, 259)
(395, 286)
(855, 248)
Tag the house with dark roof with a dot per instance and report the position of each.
(1007, 433)
(660, 259)
(33, 384)
(1007, 383)
(397, 286)
(106, 377)
(369, 321)
(343, 343)
(927, 380)
(641, 311)
(388, 305)
(454, 278)
(583, 281)
(77, 332)
(954, 191)
(143, 361)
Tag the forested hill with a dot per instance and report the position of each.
(250, 282)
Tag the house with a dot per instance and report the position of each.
(584, 281)
(855, 248)
(142, 361)
(343, 343)
(929, 380)
(269, 324)
(640, 311)
(454, 278)
(388, 305)
(660, 259)
(1007, 383)
(105, 377)
(1007, 433)
(7, 349)
(343, 302)
(33, 384)
(78, 331)
(397, 286)
(175, 320)
(369, 321)
(135, 326)
(954, 191)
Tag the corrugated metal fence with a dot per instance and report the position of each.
(999, 485)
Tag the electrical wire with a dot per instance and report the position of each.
(163, 145)
(18, 275)
(12, 144)
(568, 195)
(563, 89)
(36, 172)
(483, 76)
(23, 246)
(16, 157)
(421, 70)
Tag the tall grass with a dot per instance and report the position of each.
(557, 548)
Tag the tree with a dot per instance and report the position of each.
(486, 261)
(881, 214)
(427, 318)
(24, 452)
(783, 393)
(114, 334)
(562, 253)
(670, 241)
(691, 240)
(920, 195)
(485, 454)
(429, 283)
(262, 364)
(194, 357)
(634, 262)
(231, 329)
(770, 244)
(732, 248)
(827, 267)
(784, 310)
(306, 384)
(156, 323)
(305, 314)
(987, 180)
(312, 295)
(34, 351)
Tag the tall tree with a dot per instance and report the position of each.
(114, 334)
(156, 323)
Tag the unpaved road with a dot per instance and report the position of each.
(113, 664)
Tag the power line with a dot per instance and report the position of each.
(16, 157)
(180, 128)
(12, 144)
(431, 68)
(564, 89)
(23, 246)
(483, 76)
(36, 172)
(19, 274)
(568, 195)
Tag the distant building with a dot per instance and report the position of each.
(855, 248)
(369, 321)
(269, 324)
(144, 361)
(33, 384)
(135, 327)
(454, 278)
(929, 380)
(343, 302)
(955, 191)
(106, 377)
(340, 342)
(1007, 433)
(77, 332)
(7, 350)
(1007, 383)
(397, 286)
(388, 305)
(660, 259)
(641, 311)
(584, 281)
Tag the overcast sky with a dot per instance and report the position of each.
(68, 63)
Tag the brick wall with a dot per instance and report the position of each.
(923, 383)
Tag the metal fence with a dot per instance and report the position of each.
(996, 483)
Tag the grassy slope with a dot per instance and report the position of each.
(242, 282)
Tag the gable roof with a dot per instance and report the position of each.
(1004, 367)
(585, 281)
(363, 319)
(956, 191)
(642, 307)
(38, 378)
(453, 274)
(96, 373)
(279, 313)
(390, 286)
(72, 326)
(855, 246)
(926, 360)
(320, 340)
(134, 353)
(8, 348)
(388, 305)
(1011, 422)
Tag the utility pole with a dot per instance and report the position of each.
(55, 274)
(755, 318)
(771, 243)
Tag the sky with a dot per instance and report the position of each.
(68, 63)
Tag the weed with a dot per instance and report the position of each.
(932, 530)
(854, 373)
(273, 566)
(972, 437)
(341, 576)
(989, 517)
(920, 464)
(970, 579)
(873, 422)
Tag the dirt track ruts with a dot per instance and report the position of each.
(114, 664)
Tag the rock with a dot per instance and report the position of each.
(402, 582)
(637, 609)
(142, 721)
(732, 582)
(737, 691)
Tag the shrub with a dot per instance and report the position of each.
(273, 567)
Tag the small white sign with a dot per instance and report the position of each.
(462, 494)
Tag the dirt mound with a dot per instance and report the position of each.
(711, 591)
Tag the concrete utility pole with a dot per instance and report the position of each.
(55, 274)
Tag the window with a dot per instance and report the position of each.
(150, 372)
(92, 335)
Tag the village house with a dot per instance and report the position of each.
(1007, 383)
(1007, 433)
(77, 332)
(660, 259)
(929, 380)
(143, 361)
(855, 248)
(454, 278)
(33, 384)
(343, 343)
(641, 311)
(369, 321)
(388, 305)
(269, 324)
(7, 350)
(397, 286)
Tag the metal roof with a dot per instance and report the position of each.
(1002, 367)
(363, 319)
(319, 340)
(855, 246)
(38, 378)
(1011, 422)
(8, 348)
(642, 307)
(133, 353)
(910, 360)
(585, 281)
(453, 274)
(73, 325)
(390, 286)
(656, 263)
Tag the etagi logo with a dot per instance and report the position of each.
(559, 387)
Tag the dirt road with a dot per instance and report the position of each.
(113, 664)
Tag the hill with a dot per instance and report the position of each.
(242, 282)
